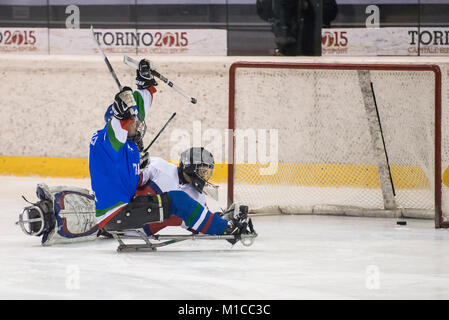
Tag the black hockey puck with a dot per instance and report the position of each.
(401, 223)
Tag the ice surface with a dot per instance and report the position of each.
(294, 257)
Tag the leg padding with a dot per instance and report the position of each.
(140, 211)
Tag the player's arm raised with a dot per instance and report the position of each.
(145, 88)
(124, 110)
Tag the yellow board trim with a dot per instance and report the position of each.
(446, 177)
(330, 175)
(45, 166)
(318, 175)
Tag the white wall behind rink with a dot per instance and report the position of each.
(51, 105)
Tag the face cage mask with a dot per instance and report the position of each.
(204, 172)
(200, 176)
(140, 133)
(207, 187)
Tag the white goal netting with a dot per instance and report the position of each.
(305, 141)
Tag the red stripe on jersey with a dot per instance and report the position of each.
(112, 215)
(152, 90)
(206, 226)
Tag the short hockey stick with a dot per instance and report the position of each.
(106, 60)
(383, 140)
(134, 64)
(160, 131)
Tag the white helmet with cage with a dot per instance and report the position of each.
(198, 164)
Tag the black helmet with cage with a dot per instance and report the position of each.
(197, 164)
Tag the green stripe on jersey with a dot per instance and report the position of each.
(112, 139)
(194, 214)
(140, 104)
(101, 212)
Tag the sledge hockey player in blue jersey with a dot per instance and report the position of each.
(114, 165)
(131, 192)
(196, 166)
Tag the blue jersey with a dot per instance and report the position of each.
(114, 174)
(114, 162)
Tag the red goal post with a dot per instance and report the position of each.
(334, 67)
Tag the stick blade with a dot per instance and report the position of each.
(131, 62)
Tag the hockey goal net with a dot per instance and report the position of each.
(353, 139)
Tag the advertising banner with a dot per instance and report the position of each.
(432, 41)
(365, 42)
(143, 41)
(24, 40)
(80, 41)
(385, 42)
(195, 42)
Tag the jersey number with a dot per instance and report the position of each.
(136, 167)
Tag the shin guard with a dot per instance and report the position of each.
(140, 211)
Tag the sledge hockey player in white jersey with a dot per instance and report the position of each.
(195, 168)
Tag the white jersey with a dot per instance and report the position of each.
(162, 176)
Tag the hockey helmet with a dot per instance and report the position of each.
(198, 164)
(108, 114)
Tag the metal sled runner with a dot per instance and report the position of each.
(164, 240)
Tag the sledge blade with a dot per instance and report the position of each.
(164, 240)
(135, 247)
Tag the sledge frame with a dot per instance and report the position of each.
(164, 240)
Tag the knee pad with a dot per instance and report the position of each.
(140, 211)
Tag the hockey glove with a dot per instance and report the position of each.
(144, 78)
(123, 102)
